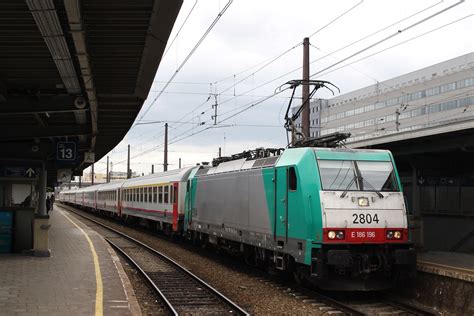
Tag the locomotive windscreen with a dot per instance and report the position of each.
(354, 175)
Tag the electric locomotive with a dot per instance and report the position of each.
(335, 217)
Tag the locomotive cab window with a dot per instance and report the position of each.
(292, 182)
(352, 175)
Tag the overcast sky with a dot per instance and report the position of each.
(251, 33)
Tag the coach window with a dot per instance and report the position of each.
(154, 194)
(150, 194)
(160, 194)
(146, 194)
(292, 183)
(141, 194)
(135, 195)
(166, 194)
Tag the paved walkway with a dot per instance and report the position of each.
(83, 276)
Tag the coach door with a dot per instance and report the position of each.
(119, 202)
(175, 199)
(187, 204)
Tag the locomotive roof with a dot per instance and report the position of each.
(353, 154)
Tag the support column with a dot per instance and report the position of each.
(415, 220)
(415, 192)
(41, 222)
(42, 192)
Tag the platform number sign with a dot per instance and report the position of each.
(66, 151)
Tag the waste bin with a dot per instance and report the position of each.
(6, 223)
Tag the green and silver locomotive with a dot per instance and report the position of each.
(334, 217)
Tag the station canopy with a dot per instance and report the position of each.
(74, 74)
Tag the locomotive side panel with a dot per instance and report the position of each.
(233, 206)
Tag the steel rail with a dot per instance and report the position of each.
(221, 296)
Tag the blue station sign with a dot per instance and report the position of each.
(66, 151)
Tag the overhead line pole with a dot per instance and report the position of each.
(305, 90)
(165, 158)
(129, 173)
(107, 178)
(92, 174)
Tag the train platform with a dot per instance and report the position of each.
(448, 264)
(83, 276)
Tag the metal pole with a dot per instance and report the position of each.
(305, 90)
(152, 169)
(129, 173)
(215, 111)
(107, 179)
(92, 174)
(179, 163)
(80, 182)
(165, 160)
(220, 152)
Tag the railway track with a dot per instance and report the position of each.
(181, 291)
(361, 303)
(332, 303)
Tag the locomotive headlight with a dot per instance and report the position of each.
(340, 234)
(363, 201)
(394, 234)
(331, 234)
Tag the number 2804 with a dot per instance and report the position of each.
(365, 218)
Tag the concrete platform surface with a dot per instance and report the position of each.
(450, 264)
(83, 276)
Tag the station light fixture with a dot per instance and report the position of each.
(47, 20)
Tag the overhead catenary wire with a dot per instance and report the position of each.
(221, 13)
(300, 67)
(179, 30)
(389, 37)
(332, 21)
(393, 46)
(275, 58)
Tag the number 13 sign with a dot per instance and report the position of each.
(66, 151)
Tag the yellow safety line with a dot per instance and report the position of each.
(99, 294)
(443, 265)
